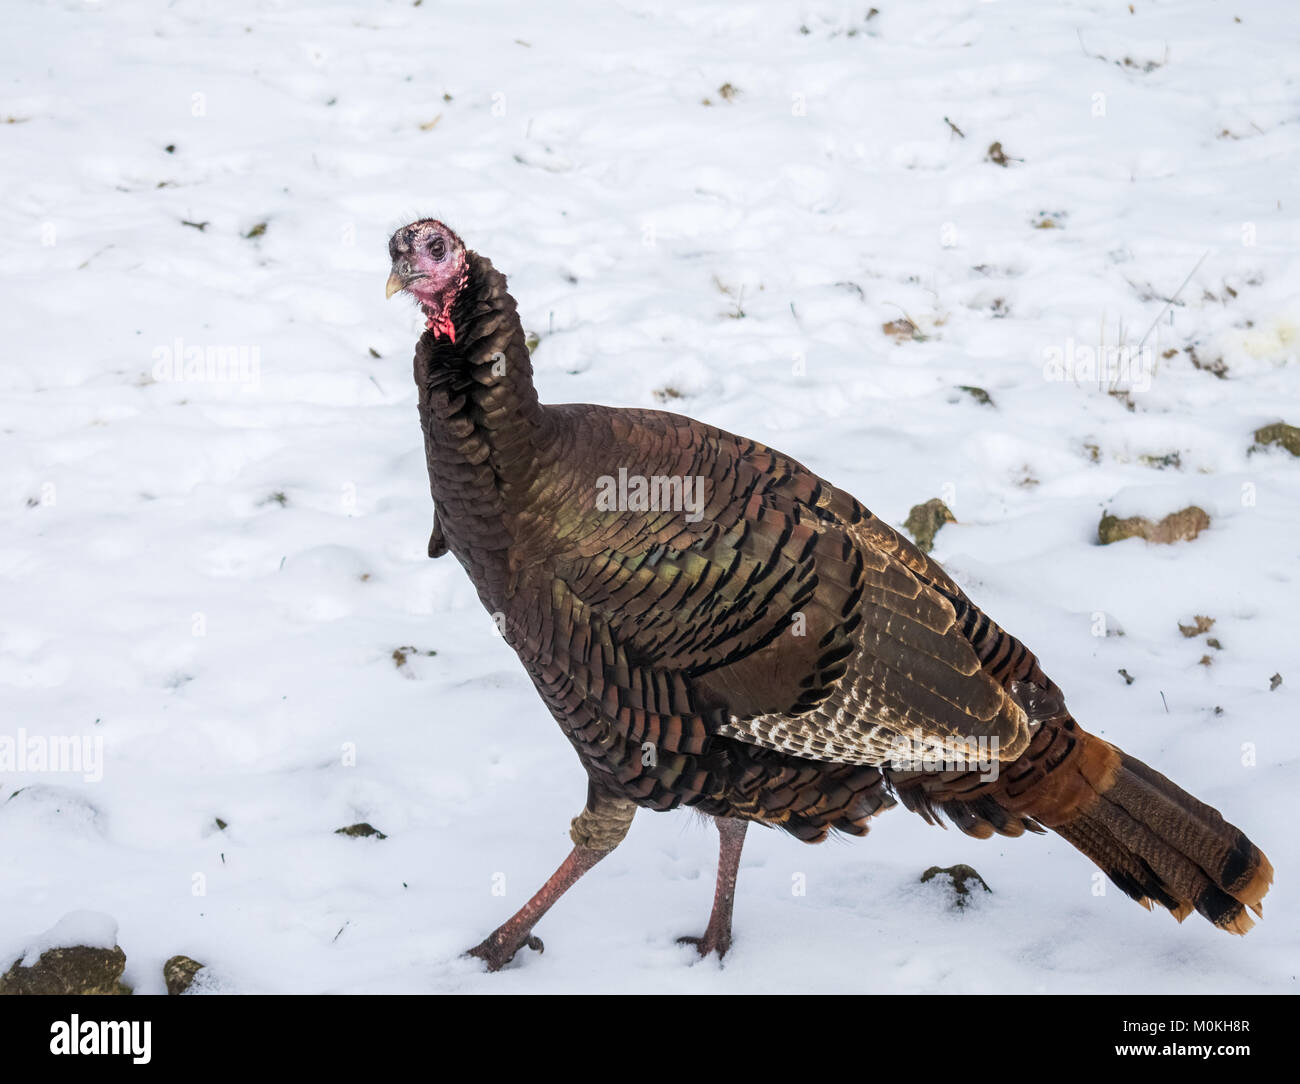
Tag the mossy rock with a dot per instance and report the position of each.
(1176, 527)
(179, 972)
(924, 520)
(76, 969)
(978, 394)
(961, 877)
(1288, 436)
(365, 828)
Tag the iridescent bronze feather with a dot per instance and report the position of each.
(759, 655)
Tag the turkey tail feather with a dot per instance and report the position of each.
(1148, 835)
(1158, 843)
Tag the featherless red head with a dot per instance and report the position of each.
(431, 264)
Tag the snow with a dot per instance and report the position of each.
(88, 928)
(211, 574)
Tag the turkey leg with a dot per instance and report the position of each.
(596, 831)
(717, 935)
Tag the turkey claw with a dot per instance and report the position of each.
(496, 955)
(707, 944)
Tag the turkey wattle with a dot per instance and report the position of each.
(712, 625)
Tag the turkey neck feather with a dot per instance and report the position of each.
(486, 436)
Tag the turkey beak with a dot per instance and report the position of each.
(395, 284)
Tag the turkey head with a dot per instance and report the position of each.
(430, 264)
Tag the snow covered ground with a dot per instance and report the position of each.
(713, 206)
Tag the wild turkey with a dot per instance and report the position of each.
(757, 648)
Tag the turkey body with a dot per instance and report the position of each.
(714, 626)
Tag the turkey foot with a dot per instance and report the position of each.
(494, 951)
(713, 941)
(500, 946)
(717, 935)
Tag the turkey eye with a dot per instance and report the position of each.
(437, 248)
